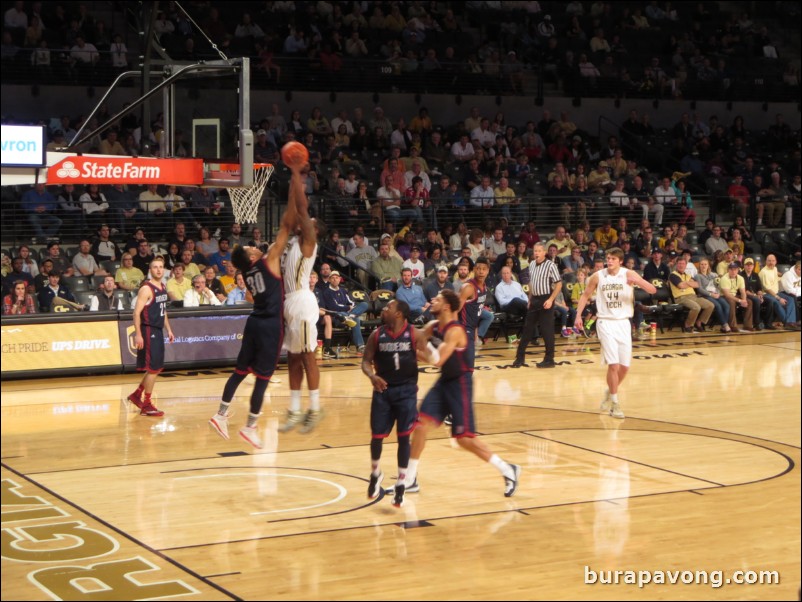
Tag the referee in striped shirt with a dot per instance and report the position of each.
(545, 284)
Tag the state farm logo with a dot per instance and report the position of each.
(68, 170)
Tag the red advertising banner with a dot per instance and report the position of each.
(126, 170)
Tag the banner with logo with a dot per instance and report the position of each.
(197, 339)
(86, 345)
(126, 170)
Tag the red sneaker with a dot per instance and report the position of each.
(151, 410)
(135, 399)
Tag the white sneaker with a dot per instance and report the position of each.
(615, 410)
(311, 420)
(605, 406)
(291, 421)
(220, 423)
(251, 435)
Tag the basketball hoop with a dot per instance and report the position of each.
(245, 200)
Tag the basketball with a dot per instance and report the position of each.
(294, 154)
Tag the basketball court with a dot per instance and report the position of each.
(702, 476)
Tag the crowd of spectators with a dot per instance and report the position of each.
(627, 49)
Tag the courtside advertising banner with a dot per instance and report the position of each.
(126, 170)
(197, 339)
(86, 345)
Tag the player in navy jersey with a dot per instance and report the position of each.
(263, 334)
(453, 392)
(391, 351)
(473, 295)
(150, 322)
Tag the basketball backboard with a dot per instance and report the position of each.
(207, 116)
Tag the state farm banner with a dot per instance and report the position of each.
(126, 170)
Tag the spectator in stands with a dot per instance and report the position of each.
(213, 284)
(41, 280)
(110, 145)
(53, 289)
(362, 255)
(29, 265)
(95, 206)
(105, 299)
(733, 288)
(18, 301)
(605, 235)
(655, 268)
(344, 310)
(104, 249)
(683, 289)
(754, 292)
(790, 285)
(71, 209)
(60, 262)
(770, 201)
(739, 196)
(128, 277)
(572, 262)
(200, 294)
(716, 242)
(412, 294)
(502, 259)
(784, 309)
(414, 264)
(123, 207)
(218, 260)
(17, 273)
(206, 245)
(510, 296)
(239, 294)
(40, 206)
(84, 263)
(177, 284)
(143, 256)
(434, 285)
(709, 289)
(151, 205)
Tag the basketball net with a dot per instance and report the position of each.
(245, 200)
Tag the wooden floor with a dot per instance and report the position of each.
(703, 475)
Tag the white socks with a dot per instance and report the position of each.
(503, 467)
(314, 400)
(295, 401)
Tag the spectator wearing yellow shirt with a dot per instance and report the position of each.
(178, 284)
(605, 235)
(228, 280)
(127, 276)
(510, 204)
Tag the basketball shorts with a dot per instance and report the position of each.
(301, 315)
(151, 357)
(615, 337)
(395, 405)
(455, 397)
(261, 345)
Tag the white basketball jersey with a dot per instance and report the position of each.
(297, 268)
(614, 297)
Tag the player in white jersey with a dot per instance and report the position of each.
(615, 304)
(301, 314)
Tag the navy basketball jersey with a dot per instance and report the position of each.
(266, 289)
(461, 361)
(395, 360)
(153, 313)
(469, 316)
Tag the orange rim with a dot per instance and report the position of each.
(234, 167)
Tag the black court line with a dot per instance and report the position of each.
(778, 347)
(790, 461)
(224, 574)
(122, 533)
(531, 510)
(592, 451)
(791, 466)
